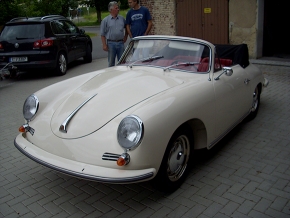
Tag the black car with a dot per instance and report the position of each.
(49, 42)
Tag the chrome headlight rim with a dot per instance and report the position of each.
(30, 107)
(127, 144)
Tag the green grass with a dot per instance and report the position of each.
(91, 19)
(91, 34)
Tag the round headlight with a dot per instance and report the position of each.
(130, 132)
(30, 107)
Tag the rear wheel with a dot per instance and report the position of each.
(255, 104)
(175, 163)
(61, 66)
(88, 56)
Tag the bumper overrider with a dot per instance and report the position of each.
(265, 82)
(81, 170)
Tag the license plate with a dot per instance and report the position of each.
(18, 59)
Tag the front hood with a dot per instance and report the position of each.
(104, 97)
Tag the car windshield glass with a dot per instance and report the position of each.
(19, 32)
(167, 54)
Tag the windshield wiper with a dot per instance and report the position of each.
(148, 59)
(152, 58)
(180, 64)
(19, 38)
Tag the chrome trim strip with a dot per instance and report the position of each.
(110, 156)
(63, 126)
(86, 176)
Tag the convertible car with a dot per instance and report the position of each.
(142, 119)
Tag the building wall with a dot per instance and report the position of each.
(243, 20)
(243, 24)
(163, 15)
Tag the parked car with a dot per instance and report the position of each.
(144, 118)
(49, 42)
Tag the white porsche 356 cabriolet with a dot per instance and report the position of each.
(142, 119)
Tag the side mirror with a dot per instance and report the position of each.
(227, 71)
(82, 31)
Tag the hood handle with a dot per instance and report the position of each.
(63, 126)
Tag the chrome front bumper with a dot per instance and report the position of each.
(81, 170)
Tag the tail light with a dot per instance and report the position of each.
(43, 43)
(1, 46)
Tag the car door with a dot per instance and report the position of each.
(233, 98)
(79, 40)
(62, 31)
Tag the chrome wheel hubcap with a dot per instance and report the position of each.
(62, 63)
(255, 100)
(178, 158)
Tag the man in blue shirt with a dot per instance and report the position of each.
(113, 33)
(138, 19)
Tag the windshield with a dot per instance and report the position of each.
(23, 31)
(167, 54)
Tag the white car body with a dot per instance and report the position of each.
(163, 98)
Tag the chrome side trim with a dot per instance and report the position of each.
(63, 126)
(86, 176)
(228, 130)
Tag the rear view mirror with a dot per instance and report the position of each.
(227, 71)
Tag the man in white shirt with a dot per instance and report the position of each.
(113, 33)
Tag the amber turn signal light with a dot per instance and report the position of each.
(22, 129)
(123, 160)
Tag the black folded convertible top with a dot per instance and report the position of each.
(238, 53)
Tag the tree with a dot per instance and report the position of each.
(102, 5)
(56, 7)
(8, 10)
(73, 4)
(31, 8)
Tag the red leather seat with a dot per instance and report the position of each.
(226, 62)
(203, 66)
(164, 62)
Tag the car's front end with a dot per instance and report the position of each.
(110, 173)
(87, 132)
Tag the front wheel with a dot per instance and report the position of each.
(175, 163)
(61, 65)
(88, 57)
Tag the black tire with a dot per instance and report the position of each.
(88, 57)
(176, 162)
(61, 64)
(255, 104)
